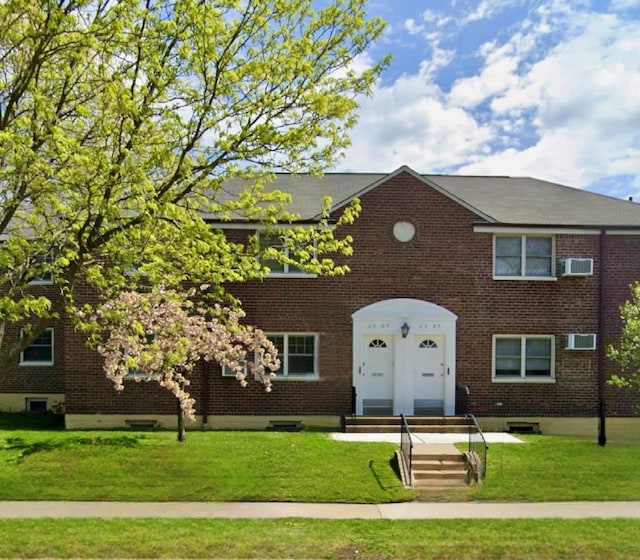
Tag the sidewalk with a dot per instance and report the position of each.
(276, 510)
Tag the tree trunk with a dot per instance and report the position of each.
(181, 431)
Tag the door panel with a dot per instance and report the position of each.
(377, 372)
(428, 396)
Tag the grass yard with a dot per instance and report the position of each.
(279, 466)
(210, 466)
(303, 538)
(555, 468)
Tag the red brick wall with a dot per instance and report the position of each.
(446, 263)
(37, 379)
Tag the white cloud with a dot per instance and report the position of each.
(558, 99)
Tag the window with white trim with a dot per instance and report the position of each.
(523, 256)
(133, 372)
(44, 277)
(228, 372)
(523, 357)
(277, 268)
(298, 354)
(40, 351)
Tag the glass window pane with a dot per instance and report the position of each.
(508, 366)
(538, 267)
(508, 347)
(38, 354)
(538, 347)
(301, 355)
(539, 247)
(538, 366)
(508, 266)
(278, 342)
(509, 246)
(275, 241)
(299, 365)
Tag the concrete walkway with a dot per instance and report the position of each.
(276, 510)
(418, 438)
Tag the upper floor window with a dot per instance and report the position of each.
(280, 243)
(298, 354)
(523, 256)
(529, 357)
(43, 277)
(40, 351)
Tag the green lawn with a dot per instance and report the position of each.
(554, 468)
(210, 466)
(272, 466)
(304, 538)
(279, 466)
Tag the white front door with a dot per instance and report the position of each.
(428, 374)
(404, 358)
(376, 385)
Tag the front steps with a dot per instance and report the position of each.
(417, 424)
(438, 467)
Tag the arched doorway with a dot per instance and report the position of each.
(404, 353)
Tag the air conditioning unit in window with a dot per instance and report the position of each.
(577, 341)
(576, 267)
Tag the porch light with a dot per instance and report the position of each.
(404, 329)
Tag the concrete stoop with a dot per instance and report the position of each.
(417, 424)
(438, 466)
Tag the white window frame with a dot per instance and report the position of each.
(523, 252)
(285, 272)
(24, 362)
(523, 378)
(45, 279)
(284, 356)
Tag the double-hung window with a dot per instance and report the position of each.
(281, 243)
(523, 256)
(40, 351)
(298, 354)
(523, 357)
(43, 277)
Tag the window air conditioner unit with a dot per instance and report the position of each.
(577, 341)
(577, 267)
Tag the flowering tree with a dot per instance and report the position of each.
(627, 352)
(123, 124)
(159, 336)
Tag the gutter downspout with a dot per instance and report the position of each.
(205, 393)
(602, 434)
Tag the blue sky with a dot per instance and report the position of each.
(546, 88)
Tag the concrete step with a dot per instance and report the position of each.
(434, 464)
(440, 474)
(392, 428)
(417, 424)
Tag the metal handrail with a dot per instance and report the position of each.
(406, 446)
(478, 446)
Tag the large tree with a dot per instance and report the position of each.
(627, 351)
(122, 122)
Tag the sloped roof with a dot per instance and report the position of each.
(499, 200)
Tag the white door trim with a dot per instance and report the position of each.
(386, 318)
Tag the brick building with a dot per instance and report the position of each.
(510, 287)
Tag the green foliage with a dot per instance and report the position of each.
(627, 352)
(122, 124)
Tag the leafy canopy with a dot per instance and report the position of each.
(121, 123)
(627, 352)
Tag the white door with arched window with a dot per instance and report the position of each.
(404, 358)
(377, 374)
(428, 375)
